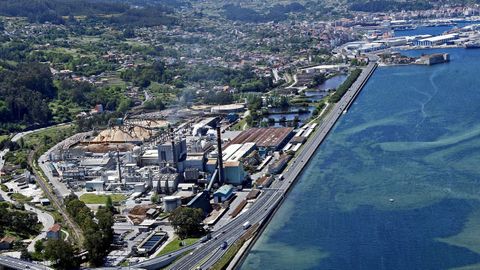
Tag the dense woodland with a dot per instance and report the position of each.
(97, 229)
(22, 223)
(276, 13)
(24, 94)
(54, 10)
(27, 89)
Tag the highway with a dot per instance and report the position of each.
(204, 255)
(15, 263)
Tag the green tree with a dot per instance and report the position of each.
(155, 198)
(109, 205)
(187, 221)
(155, 104)
(61, 253)
(99, 236)
(24, 255)
(94, 245)
(39, 246)
(105, 224)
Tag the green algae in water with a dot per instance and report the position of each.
(412, 135)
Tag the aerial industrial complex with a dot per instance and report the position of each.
(199, 164)
(229, 161)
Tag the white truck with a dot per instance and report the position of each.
(246, 225)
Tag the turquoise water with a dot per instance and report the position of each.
(413, 135)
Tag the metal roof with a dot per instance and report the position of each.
(263, 137)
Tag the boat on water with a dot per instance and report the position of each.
(472, 45)
(404, 27)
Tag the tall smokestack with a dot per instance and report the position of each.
(174, 157)
(174, 150)
(221, 177)
(119, 168)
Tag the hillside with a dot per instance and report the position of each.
(55, 11)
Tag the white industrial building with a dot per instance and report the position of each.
(437, 40)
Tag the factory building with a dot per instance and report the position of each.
(279, 165)
(173, 153)
(171, 203)
(438, 40)
(150, 158)
(105, 162)
(233, 157)
(224, 193)
(195, 161)
(234, 172)
(265, 139)
(95, 185)
(167, 180)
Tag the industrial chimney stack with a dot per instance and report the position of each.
(221, 177)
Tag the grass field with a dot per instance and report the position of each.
(89, 198)
(50, 135)
(4, 137)
(175, 245)
(20, 198)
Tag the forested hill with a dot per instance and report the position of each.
(55, 11)
(28, 8)
(24, 93)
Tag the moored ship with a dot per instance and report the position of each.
(472, 45)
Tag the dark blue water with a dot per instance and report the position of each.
(413, 135)
(434, 31)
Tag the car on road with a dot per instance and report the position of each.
(224, 245)
(205, 238)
